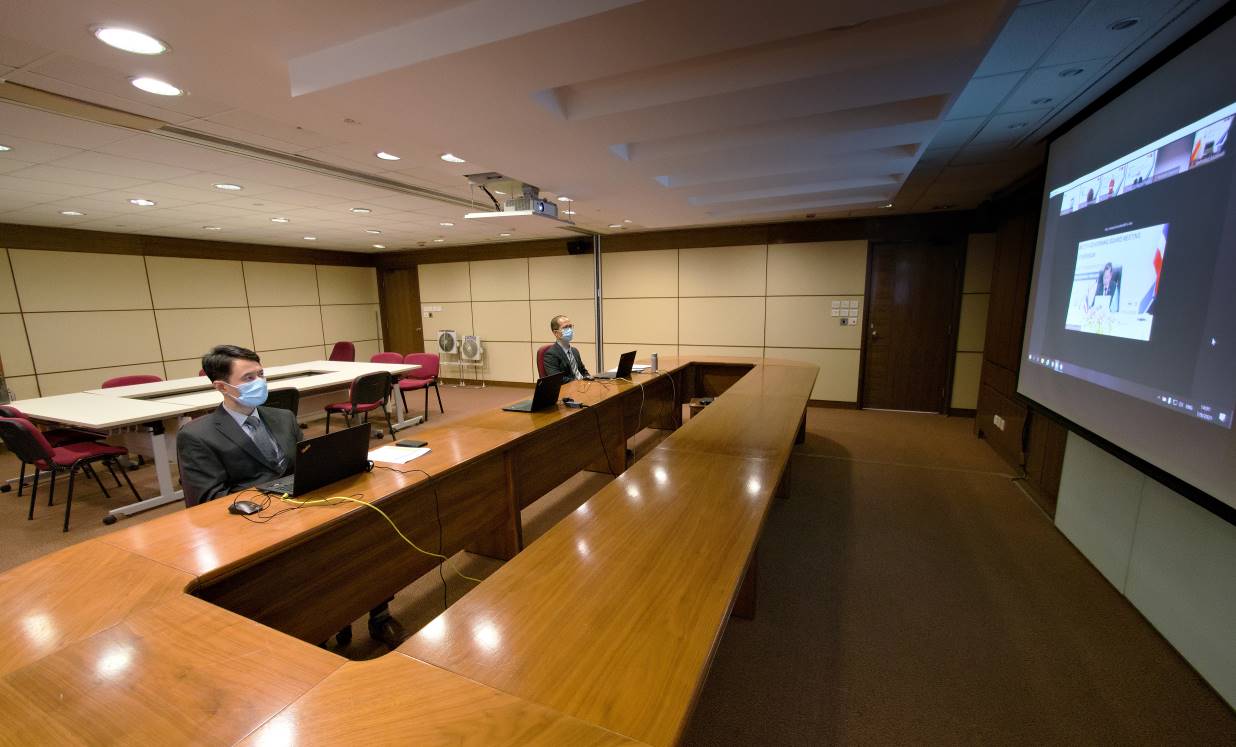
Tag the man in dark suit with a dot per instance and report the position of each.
(561, 358)
(242, 444)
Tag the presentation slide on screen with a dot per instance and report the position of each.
(1115, 282)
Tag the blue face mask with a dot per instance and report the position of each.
(568, 333)
(251, 393)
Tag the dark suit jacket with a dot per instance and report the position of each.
(217, 457)
(556, 361)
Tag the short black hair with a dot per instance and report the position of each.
(218, 362)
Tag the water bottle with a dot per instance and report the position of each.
(654, 362)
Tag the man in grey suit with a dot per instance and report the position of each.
(562, 359)
(242, 444)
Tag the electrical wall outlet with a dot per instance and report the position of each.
(998, 421)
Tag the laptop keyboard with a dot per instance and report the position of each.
(280, 486)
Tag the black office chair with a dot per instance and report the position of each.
(284, 399)
(367, 393)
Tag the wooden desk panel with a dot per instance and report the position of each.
(173, 673)
(613, 615)
(741, 425)
(399, 700)
(64, 597)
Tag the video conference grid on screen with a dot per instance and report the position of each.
(1136, 302)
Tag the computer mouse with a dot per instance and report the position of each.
(244, 508)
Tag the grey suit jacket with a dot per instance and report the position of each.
(218, 458)
(556, 362)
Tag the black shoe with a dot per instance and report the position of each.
(387, 631)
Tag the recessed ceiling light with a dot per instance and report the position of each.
(4, 148)
(229, 187)
(1123, 23)
(141, 202)
(156, 86)
(626, 220)
(379, 246)
(129, 40)
(446, 224)
(372, 231)
(1018, 125)
(1070, 72)
(386, 156)
(73, 213)
(1043, 100)
(212, 228)
(280, 220)
(887, 205)
(615, 225)
(361, 211)
(438, 241)
(564, 198)
(451, 158)
(311, 238)
(568, 212)
(499, 192)
(504, 234)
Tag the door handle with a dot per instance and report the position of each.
(873, 332)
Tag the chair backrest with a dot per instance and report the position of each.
(284, 399)
(428, 363)
(540, 359)
(371, 388)
(131, 380)
(8, 411)
(24, 440)
(386, 358)
(343, 351)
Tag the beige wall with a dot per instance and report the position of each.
(508, 303)
(69, 320)
(972, 324)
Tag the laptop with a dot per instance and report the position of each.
(625, 364)
(323, 460)
(544, 398)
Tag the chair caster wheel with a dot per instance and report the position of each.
(5, 488)
(109, 519)
(344, 637)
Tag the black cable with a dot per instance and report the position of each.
(601, 438)
(437, 510)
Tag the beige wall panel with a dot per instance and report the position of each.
(561, 277)
(297, 355)
(185, 333)
(23, 387)
(185, 369)
(347, 284)
(722, 271)
(583, 314)
(641, 319)
(445, 281)
(980, 257)
(972, 329)
(366, 349)
(14, 351)
(807, 321)
(79, 281)
(587, 351)
(821, 268)
(73, 340)
(359, 322)
(501, 321)
(966, 380)
(456, 316)
(8, 291)
(177, 283)
(721, 321)
(79, 381)
(499, 279)
(279, 284)
(508, 361)
(687, 351)
(643, 351)
(280, 327)
(652, 274)
(838, 377)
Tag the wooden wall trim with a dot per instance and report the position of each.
(13, 236)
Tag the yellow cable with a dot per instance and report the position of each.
(327, 501)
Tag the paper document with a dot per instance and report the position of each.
(397, 454)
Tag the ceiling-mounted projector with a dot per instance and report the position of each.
(520, 203)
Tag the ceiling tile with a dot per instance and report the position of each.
(982, 96)
(956, 132)
(1046, 83)
(37, 125)
(39, 187)
(1009, 128)
(108, 164)
(1028, 35)
(1088, 36)
(51, 173)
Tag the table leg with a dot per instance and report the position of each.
(160, 437)
(744, 603)
(401, 417)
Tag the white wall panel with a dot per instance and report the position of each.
(79, 281)
(721, 321)
(14, 350)
(446, 281)
(501, 321)
(499, 279)
(582, 313)
(561, 277)
(722, 271)
(280, 284)
(342, 285)
(837, 380)
(281, 327)
(641, 320)
(185, 333)
(351, 322)
(70, 341)
(807, 322)
(822, 268)
(640, 274)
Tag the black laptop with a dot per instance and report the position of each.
(544, 398)
(323, 460)
(625, 363)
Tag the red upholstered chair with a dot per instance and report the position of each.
(131, 380)
(343, 351)
(24, 440)
(386, 358)
(540, 359)
(422, 378)
(367, 393)
(55, 437)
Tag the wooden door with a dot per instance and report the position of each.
(401, 311)
(909, 336)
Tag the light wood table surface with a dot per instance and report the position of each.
(601, 632)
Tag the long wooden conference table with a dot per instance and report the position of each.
(202, 627)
